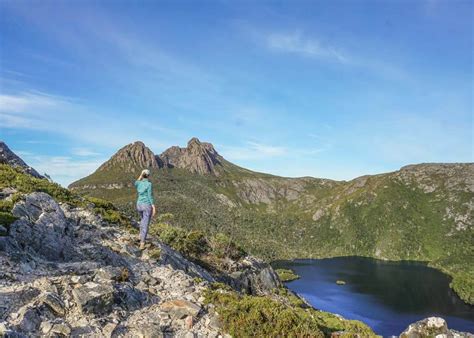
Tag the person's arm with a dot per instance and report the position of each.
(150, 198)
(140, 177)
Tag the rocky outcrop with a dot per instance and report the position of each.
(432, 327)
(9, 157)
(131, 158)
(198, 157)
(66, 272)
(43, 228)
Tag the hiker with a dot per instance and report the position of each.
(145, 204)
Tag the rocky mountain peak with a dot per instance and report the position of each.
(132, 156)
(9, 157)
(198, 157)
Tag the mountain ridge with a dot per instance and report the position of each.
(7, 156)
(421, 212)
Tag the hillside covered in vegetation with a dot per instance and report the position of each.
(421, 212)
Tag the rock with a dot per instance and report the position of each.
(189, 322)
(94, 298)
(109, 329)
(45, 327)
(54, 302)
(130, 298)
(42, 227)
(180, 308)
(28, 320)
(62, 329)
(9, 157)
(253, 276)
(111, 273)
(130, 157)
(3, 231)
(79, 279)
(431, 327)
(198, 157)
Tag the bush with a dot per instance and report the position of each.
(264, 316)
(222, 246)
(286, 275)
(6, 219)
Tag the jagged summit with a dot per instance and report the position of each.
(132, 156)
(198, 157)
(9, 157)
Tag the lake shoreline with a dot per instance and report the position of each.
(440, 276)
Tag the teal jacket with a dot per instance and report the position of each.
(145, 192)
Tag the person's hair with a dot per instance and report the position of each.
(145, 173)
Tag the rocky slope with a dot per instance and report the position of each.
(9, 157)
(420, 212)
(71, 267)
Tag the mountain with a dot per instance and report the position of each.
(9, 157)
(421, 212)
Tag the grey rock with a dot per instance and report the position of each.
(109, 273)
(94, 298)
(431, 327)
(130, 298)
(198, 157)
(63, 329)
(42, 227)
(3, 231)
(54, 302)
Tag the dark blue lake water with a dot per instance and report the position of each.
(388, 296)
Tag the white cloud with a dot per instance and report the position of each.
(84, 152)
(63, 169)
(252, 151)
(296, 43)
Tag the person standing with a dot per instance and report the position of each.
(145, 204)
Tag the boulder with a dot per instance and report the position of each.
(42, 227)
(179, 308)
(54, 302)
(431, 327)
(94, 298)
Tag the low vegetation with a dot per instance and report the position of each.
(278, 315)
(286, 275)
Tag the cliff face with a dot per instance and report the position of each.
(197, 157)
(132, 157)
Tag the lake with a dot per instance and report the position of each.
(388, 296)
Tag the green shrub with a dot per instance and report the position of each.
(264, 316)
(286, 275)
(6, 219)
(463, 284)
(222, 246)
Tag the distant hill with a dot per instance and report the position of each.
(420, 212)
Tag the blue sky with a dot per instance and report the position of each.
(333, 89)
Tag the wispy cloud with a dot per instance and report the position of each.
(252, 151)
(63, 169)
(297, 43)
(84, 152)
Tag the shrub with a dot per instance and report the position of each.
(6, 219)
(222, 246)
(286, 275)
(265, 316)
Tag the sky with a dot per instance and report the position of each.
(333, 89)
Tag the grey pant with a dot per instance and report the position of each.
(145, 211)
